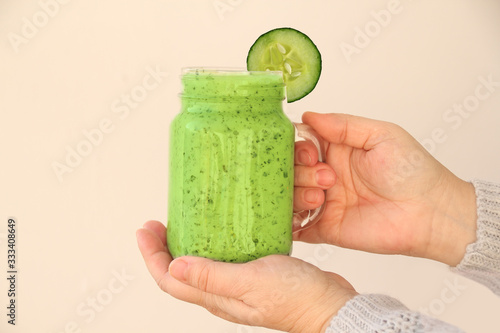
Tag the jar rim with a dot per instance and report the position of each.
(234, 83)
(224, 70)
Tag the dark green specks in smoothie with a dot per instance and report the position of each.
(231, 168)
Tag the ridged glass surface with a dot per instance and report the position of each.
(231, 169)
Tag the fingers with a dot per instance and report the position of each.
(218, 278)
(307, 198)
(196, 274)
(305, 153)
(216, 286)
(159, 229)
(152, 244)
(310, 183)
(320, 175)
(357, 132)
(151, 241)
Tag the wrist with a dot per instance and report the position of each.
(322, 311)
(454, 221)
(335, 309)
(481, 262)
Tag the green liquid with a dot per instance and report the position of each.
(231, 168)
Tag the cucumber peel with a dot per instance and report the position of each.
(292, 52)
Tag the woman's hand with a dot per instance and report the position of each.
(390, 195)
(276, 291)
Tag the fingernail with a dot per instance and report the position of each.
(325, 177)
(178, 269)
(311, 196)
(304, 157)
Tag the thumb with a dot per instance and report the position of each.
(209, 276)
(354, 131)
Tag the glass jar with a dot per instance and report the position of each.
(231, 167)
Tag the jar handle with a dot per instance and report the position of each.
(306, 218)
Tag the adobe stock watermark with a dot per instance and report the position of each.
(30, 27)
(448, 295)
(94, 137)
(225, 6)
(87, 310)
(455, 116)
(363, 36)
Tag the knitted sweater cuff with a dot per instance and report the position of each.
(482, 258)
(383, 314)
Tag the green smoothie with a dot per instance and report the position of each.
(231, 167)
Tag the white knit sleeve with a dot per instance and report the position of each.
(383, 314)
(482, 258)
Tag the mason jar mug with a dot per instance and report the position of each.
(231, 167)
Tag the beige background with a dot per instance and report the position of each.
(68, 76)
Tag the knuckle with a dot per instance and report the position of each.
(203, 277)
(299, 200)
(342, 133)
(163, 285)
(304, 175)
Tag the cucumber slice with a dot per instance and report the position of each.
(292, 52)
